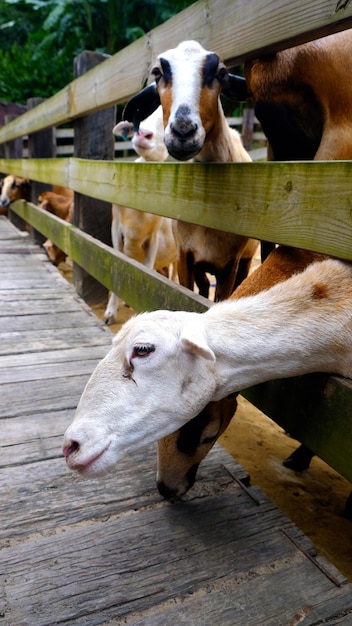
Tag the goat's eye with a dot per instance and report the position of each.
(143, 349)
(156, 73)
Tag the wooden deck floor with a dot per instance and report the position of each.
(111, 551)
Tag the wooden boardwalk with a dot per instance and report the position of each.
(111, 551)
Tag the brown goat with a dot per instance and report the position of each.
(303, 99)
(62, 206)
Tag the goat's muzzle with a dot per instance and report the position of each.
(173, 494)
(184, 135)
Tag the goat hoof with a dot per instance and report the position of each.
(299, 460)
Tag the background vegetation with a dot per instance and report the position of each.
(40, 38)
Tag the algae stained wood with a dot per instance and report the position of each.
(289, 203)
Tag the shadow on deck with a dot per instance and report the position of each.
(111, 551)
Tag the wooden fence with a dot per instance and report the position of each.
(301, 405)
(64, 140)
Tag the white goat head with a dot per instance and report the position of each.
(189, 80)
(148, 139)
(152, 381)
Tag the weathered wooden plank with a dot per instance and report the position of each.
(36, 472)
(247, 32)
(60, 393)
(210, 548)
(48, 320)
(45, 371)
(142, 288)
(23, 305)
(22, 361)
(39, 341)
(289, 203)
(43, 296)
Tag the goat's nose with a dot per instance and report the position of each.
(70, 447)
(166, 492)
(183, 128)
(147, 134)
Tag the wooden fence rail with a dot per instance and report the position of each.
(291, 203)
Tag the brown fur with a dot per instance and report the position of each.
(311, 84)
(62, 206)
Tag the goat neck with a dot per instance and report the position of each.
(299, 326)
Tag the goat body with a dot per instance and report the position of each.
(165, 367)
(303, 99)
(61, 205)
(189, 81)
(142, 236)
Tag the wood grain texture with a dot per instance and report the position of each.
(289, 203)
(110, 551)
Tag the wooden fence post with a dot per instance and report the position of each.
(14, 150)
(41, 144)
(93, 140)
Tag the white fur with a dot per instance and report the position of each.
(145, 237)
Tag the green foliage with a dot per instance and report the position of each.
(40, 38)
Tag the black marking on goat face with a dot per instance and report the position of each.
(210, 68)
(167, 72)
(164, 71)
(191, 475)
(190, 434)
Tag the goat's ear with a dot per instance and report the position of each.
(123, 129)
(193, 340)
(141, 105)
(236, 88)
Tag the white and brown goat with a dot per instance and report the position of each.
(189, 81)
(180, 453)
(13, 188)
(164, 367)
(142, 236)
